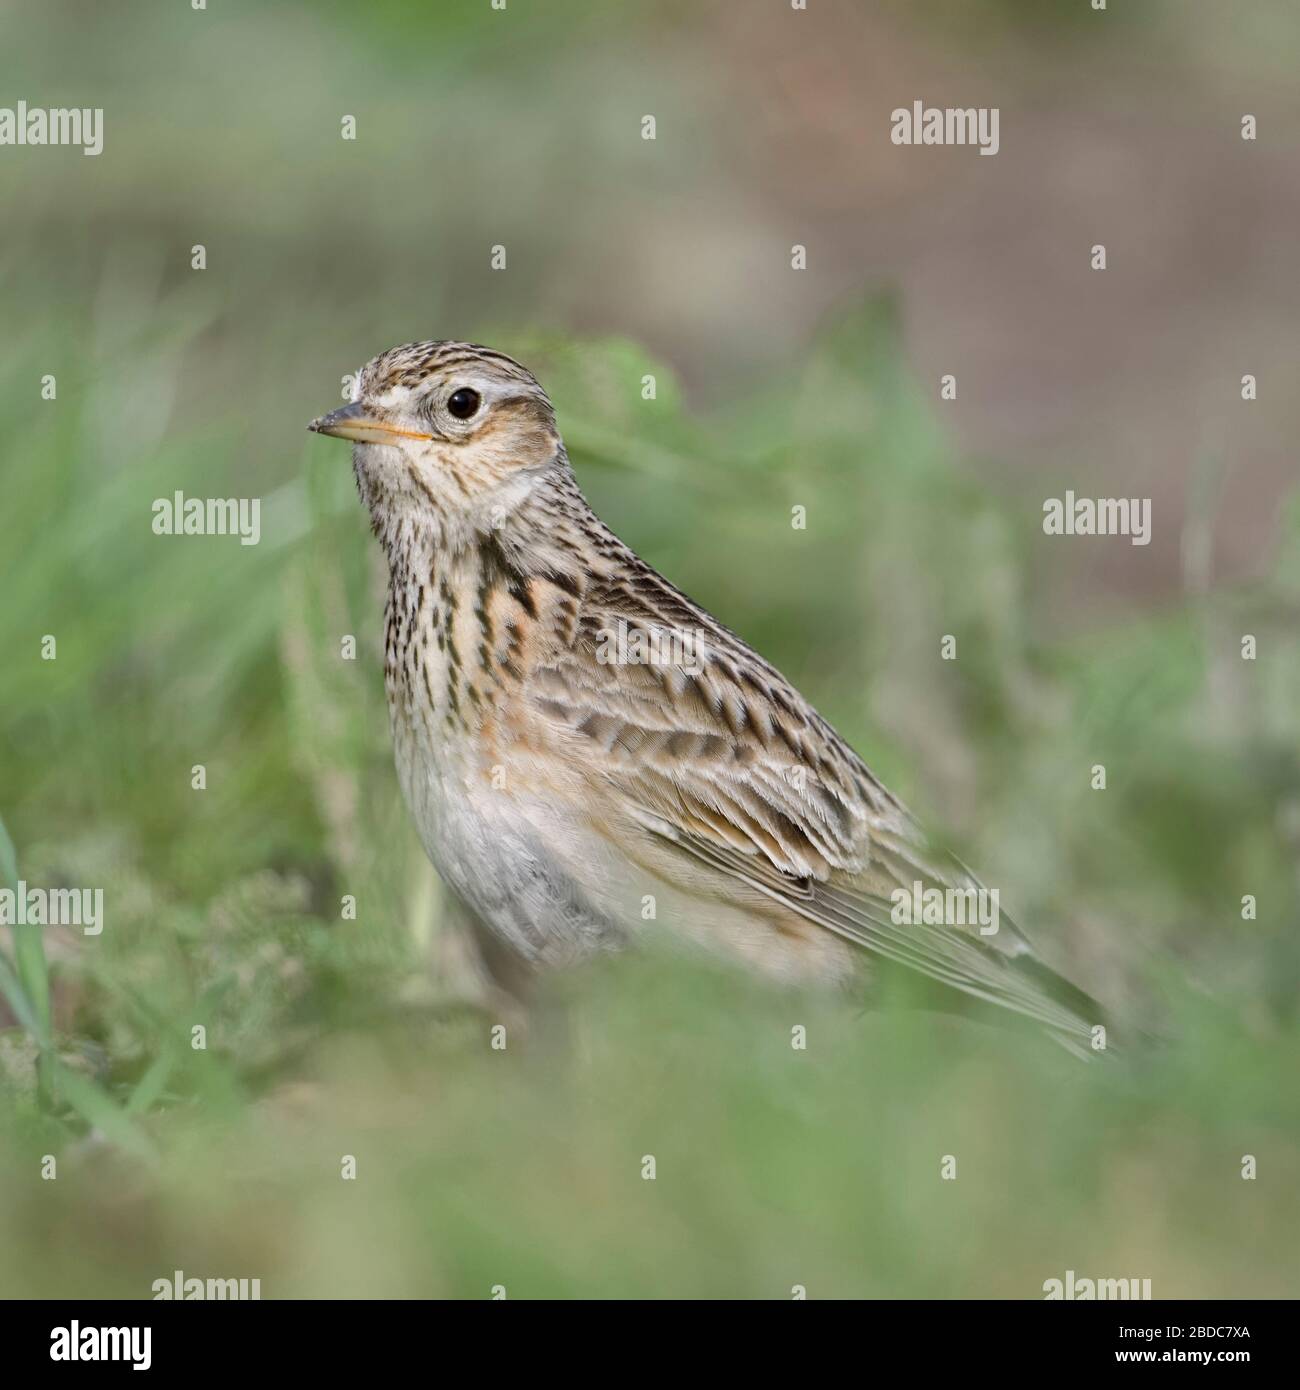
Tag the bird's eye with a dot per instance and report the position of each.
(463, 403)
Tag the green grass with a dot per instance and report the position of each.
(776, 1167)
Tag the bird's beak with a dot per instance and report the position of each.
(357, 422)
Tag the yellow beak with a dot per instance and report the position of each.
(355, 422)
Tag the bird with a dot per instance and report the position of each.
(588, 754)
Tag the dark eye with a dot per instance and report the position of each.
(463, 403)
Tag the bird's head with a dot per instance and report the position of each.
(450, 433)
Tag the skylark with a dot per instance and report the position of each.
(583, 747)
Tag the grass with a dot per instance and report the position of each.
(327, 1036)
(774, 1167)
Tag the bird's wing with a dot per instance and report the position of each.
(716, 754)
(950, 955)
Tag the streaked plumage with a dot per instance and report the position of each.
(556, 791)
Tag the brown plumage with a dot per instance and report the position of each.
(577, 739)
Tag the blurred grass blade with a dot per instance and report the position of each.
(101, 1112)
(151, 1085)
(10, 985)
(8, 859)
(32, 971)
(12, 992)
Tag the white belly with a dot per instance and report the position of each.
(502, 853)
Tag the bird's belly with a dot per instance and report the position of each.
(503, 851)
(537, 865)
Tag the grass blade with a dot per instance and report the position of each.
(32, 971)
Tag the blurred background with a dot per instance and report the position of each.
(477, 128)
